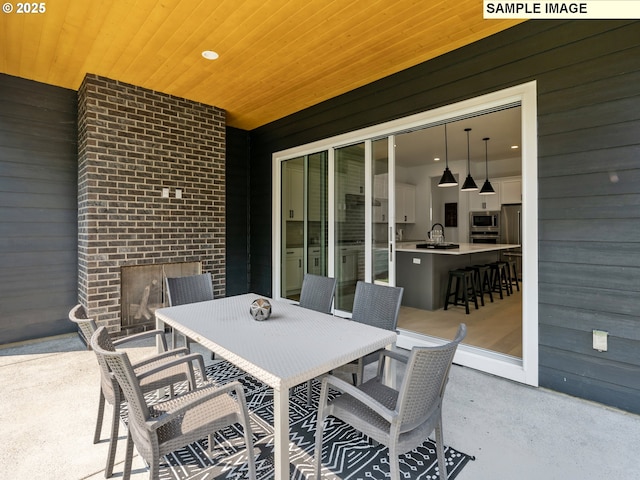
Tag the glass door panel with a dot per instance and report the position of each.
(380, 211)
(317, 237)
(349, 184)
(304, 221)
(292, 222)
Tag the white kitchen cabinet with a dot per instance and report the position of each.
(405, 203)
(381, 186)
(479, 202)
(381, 212)
(511, 191)
(347, 264)
(314, 263)
(293, 270)
(294, 193)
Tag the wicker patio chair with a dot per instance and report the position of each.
(399, 419)
(162, 428)
(176, 366)
(317, 292)
(378, 306)
(189, 289)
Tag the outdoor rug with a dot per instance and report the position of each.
(347, 453)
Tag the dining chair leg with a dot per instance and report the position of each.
(309, 388)
(440, 451)
(113, 441)
(394, 463)
(101, 402)
(322, 402)
(251, 460)
(128, 458)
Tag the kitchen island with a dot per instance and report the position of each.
(424, 272)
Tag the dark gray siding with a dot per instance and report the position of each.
(587, 74)
(237, 211)
(38, 209)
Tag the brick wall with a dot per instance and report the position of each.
(132, 143)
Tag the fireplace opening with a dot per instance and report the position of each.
(143, 291)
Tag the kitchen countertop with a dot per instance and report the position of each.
(463, 249)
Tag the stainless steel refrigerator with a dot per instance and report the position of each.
(511, 232)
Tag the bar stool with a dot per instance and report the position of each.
(464, 291)
(483, 273)
(512, 269)
(499, 278)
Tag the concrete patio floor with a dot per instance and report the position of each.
(50, 395)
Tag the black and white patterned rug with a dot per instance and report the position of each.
(347, 453)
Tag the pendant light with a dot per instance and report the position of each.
(447, 180)
(469, 185)
(486, 189)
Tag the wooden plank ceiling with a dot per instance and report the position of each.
(276, 56)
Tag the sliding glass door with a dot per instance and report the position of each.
(349, 222)
(303, 221)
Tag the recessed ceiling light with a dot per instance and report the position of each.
(210, 55)
(514, 147)
(436, 159)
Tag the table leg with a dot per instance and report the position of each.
(159, 326)
(281, 432)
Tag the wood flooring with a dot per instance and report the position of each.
(497, 326)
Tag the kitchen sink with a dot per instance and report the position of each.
(440, 246)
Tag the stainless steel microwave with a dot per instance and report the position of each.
(489, 220)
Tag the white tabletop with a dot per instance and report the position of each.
(294, 345)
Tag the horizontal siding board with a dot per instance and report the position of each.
(622, 350)
(25, 260)
(39, 214)
(597, 160)
(39, 95)
(599, 207)
(591, 116)
(582, 320)
(601, 90)
(38, 186)
(590, 389)
(613, 182)
(36, 244)
(604, 230)
(609, 136)
(615, 373)
(597, 298)
(620, 278)
(590, 252)
(608, 64)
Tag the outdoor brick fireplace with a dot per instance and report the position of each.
(151, 189)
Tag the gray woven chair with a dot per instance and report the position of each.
(317, 292)
(162, 428)
(400, 419)
(189, 289)
(378, 306)
(176, 366)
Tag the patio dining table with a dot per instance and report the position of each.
(293, 346)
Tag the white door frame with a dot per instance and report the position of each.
(526, 369)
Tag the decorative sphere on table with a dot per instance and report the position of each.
(260, 309)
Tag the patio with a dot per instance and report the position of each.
(50, 394)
